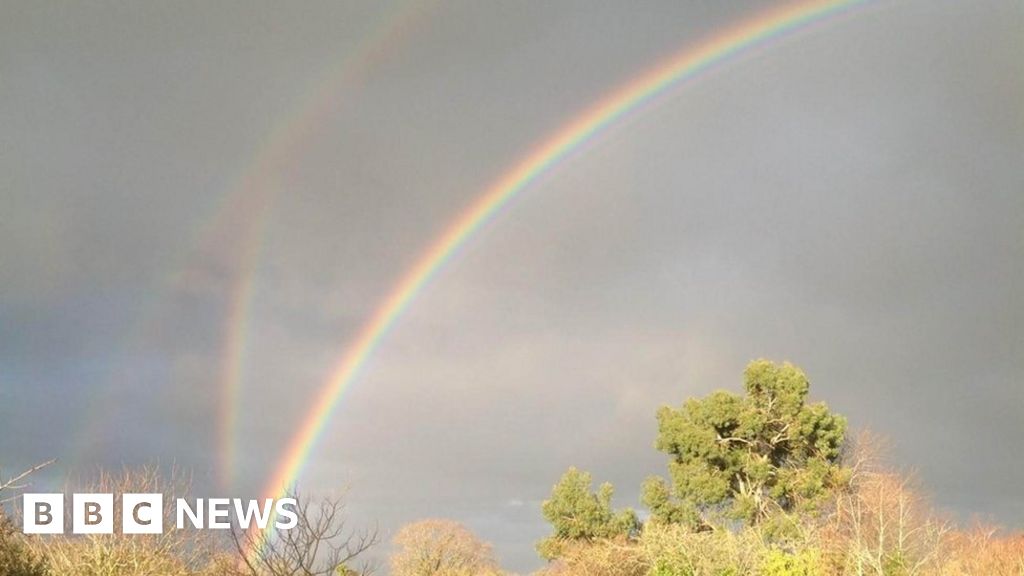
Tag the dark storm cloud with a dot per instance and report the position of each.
(847, 198)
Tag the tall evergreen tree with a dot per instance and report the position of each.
(747, 458)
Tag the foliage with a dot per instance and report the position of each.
(765, 484)
(612, 557)
(663, 550)
(578, 514)
(747, 458)
(981, 552)
(15, 558)
(675, 550)
(803, 563)
(794, 506)
(440, 548)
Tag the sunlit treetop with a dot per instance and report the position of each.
(747, 458)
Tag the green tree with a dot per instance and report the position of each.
(750, 457)
(578, 514)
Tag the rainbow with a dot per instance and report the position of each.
(236, 327)
(231, 231)
(258, 189)
(614, 107)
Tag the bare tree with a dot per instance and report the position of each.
(984, 551)
(320, 544)
(882, 523)
(440, 548)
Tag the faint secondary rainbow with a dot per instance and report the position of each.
(256, 191)
(229, 236)
(561, 143)
(236, 327)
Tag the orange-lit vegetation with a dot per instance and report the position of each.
(440, 547)
(881, 524)
(759, 485)
(768, 485)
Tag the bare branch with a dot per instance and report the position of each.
(13, 483)
(320, 544)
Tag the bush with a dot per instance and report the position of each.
(803, 563)
(673, 550)
(440, 548)
(980, 552)
(608, 557)
(171, 553)
(15, 558)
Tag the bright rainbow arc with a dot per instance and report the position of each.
(571, 136)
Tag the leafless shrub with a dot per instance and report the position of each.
(320, 544)
(882, 524)
(171, 553)
(981, 551)
(440, 548)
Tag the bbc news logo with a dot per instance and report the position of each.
(144, 513)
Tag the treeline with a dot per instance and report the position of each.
(763, 483)
(321, 543)
(766, 484)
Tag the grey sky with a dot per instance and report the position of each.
(850, 198)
